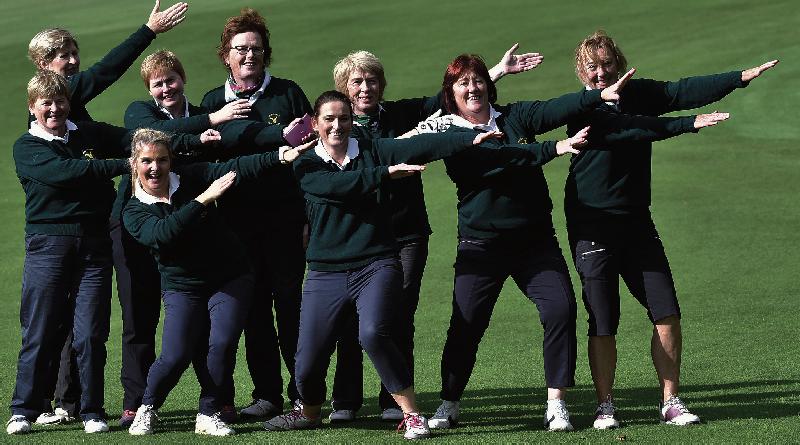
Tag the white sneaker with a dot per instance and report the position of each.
(144, 422)
(604, 416)
(416, 426)
(446, 416)
(293, 420)
(92, 426)
(260, 408)
(18, 424)
(64, 415)
(49, 418)
(392, 415)
(674, 412)
(212, 425)
(556, 416)
(342, 416)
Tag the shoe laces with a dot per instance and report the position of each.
(146, 419)
(677, 403)
(410, 420)
(606, 409)
(217, 420)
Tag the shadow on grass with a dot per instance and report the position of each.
(521, 409)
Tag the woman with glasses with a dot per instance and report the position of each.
(267, 214)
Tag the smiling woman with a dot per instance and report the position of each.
(267, 215)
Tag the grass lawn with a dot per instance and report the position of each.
(725, 203)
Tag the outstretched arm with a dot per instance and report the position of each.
(512, 63)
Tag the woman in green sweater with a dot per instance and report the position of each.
(206, 280)
(611, 231)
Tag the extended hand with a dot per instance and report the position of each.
(710, 119)
(611, 94)
(482, 137)
(217, 188)
(516, 63)
(163, 21)
(403, 170)
(293, 153)
(571, 145)
(236, 109)
(752, 73)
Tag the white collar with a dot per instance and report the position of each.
(169, 115)
(489, 126)
(39, 132)
(146, 198)
(352, 152)
(230, 96)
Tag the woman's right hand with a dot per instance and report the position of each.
(217, 188)
(611, 94)
(483, 137)
(292, 153)
(237, 109)
(571, 145)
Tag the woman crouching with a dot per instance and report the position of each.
(206, 281)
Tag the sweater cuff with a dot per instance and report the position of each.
(145, 31)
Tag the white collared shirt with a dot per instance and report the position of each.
(146, 198)
(169, 115)
(230, 96)
(352, 152)
(489, 126)
(39, 132)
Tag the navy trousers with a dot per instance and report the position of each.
(539, 270)
(139, 291)
(348, 383)
(278, 259)
(66, 284)
(203, 327)
(328, 302)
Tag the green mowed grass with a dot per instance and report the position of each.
(725, 203)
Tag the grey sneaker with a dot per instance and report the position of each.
(416, 427)
(144, 421)
(211, 425)
(446, 416)
(342, 416)
(392, 415)
(605, 416)
(556, 416)
(674, 412)
(261, 409)
(293, 420)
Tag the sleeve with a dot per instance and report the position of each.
(300, 103)
(610, 127)
(337, 186)
(40, 163)
(542, 116)
(155, 232)
(653, 97)
(417, 109)
(487, 159)
(422, 148)
(247, 168)
(141, 114)
(87, 84)
(112, 141)
(242, 136)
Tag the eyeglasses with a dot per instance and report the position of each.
(243, 50)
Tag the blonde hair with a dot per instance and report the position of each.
(159, 63)
(47, 84)
(143, 138)
(44, 45)
(588, 51)
(363, 61)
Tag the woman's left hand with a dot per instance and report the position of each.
(404, 170)
(210, 136)
(571, 145)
